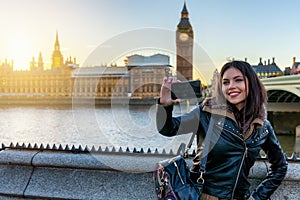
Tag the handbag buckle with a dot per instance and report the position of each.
(201, 179)
(186, 152)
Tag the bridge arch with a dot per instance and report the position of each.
(283, 98)
(289, 95)
(283, 89)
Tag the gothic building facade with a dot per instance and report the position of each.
(38, 81)
(267, 69)
(140, 78)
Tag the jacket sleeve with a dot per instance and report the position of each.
(278, 166)
(168, 125)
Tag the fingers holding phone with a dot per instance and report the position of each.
(165, 92)
(168, 81)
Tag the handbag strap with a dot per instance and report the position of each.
(207, 142)
(185, 153)
(206, 145)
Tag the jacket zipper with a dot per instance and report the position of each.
(240, 168)
(242, 161)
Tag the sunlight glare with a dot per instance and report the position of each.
(19, 51)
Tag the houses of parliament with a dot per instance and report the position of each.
(139, 78)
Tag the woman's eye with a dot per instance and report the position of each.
(239, 80)
(225, 82)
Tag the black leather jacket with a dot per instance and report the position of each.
(232, 155)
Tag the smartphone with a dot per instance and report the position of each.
(186, 90)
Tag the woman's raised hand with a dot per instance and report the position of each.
(165, 91)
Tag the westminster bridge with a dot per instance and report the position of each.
(284, 103)
(283, 93)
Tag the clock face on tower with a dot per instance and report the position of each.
(183, 36)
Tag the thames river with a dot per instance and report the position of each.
(109, 126)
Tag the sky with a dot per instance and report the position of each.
(223, 29)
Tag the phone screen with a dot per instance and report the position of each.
(186, 90)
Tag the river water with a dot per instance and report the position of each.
(109, 126)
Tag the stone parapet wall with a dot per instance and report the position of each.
(54, 174)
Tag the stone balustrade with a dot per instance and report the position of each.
(76, 173)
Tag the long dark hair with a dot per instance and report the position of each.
(257, 94)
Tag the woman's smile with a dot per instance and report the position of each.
(233, 94)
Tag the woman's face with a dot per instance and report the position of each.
(234, 87)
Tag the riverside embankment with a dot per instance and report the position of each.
(76, 173)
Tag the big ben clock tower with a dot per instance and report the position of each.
(57, 58)
(184, 47)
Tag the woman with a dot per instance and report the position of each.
(240, 130)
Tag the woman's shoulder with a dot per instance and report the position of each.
(267, 126)
(267, 123)
(209, 101)
(211, 105)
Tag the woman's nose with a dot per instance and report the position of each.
(231, 85)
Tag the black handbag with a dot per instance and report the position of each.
(172, 176)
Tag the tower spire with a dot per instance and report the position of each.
(56, 45)
(184, 12)
(57, 58)
(40, 62)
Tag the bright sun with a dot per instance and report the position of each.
(18, 50)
